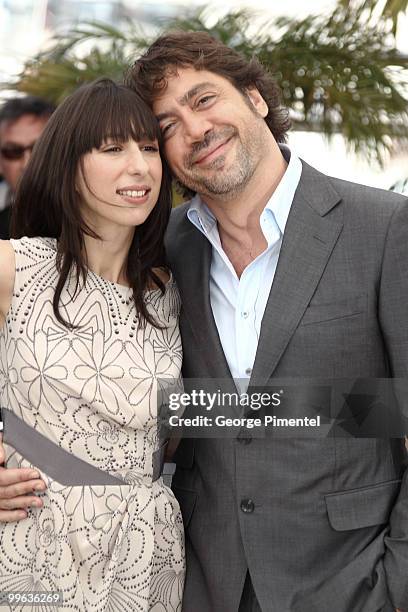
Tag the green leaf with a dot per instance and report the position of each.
(338, 74)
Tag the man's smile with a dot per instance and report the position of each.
(210, 154)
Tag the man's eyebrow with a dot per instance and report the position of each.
(18, 144)
(186, 98)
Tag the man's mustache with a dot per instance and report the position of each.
(209, 139)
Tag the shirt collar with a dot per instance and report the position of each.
(279, 203)
(281, 200)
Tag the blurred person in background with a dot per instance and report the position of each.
(22, 121)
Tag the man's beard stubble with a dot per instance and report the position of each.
(227, 183)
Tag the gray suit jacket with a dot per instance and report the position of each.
(329, 526)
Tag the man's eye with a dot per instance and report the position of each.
(165, 129)
(204, 100)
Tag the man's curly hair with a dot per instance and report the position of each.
(179, 49)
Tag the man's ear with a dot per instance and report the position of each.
(257, 101)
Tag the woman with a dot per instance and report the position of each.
(88, 327)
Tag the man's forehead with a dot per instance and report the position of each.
(25, 127)
(185, 77)
(183, 85)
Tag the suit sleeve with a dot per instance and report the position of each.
(393, 314)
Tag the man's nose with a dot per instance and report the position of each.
(196, 128)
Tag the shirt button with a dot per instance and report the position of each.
(245, 314)
(248, 371)
(247, 506)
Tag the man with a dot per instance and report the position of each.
(283, 272)
(22, 121)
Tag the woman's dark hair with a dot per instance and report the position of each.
(179, 49)
(47, 203)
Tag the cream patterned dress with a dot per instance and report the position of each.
(92, 392)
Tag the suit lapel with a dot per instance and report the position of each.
(193, 279)
(309, 238)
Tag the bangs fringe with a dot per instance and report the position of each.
(118, 113)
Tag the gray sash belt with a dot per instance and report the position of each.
(57, 463)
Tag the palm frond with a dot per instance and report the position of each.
(340, 77)
(388, 10)
(338, 74)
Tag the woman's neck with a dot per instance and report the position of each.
(108, 257)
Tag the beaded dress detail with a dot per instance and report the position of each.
(91, 390)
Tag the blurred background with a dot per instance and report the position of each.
(342, 64)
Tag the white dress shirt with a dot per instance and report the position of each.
(238, 304)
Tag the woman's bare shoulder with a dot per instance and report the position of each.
(7, 274)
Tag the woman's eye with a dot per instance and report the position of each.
(112, 148)
(151, 148)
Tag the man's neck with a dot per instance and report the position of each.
(238, 217)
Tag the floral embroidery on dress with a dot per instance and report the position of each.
(92, 390)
